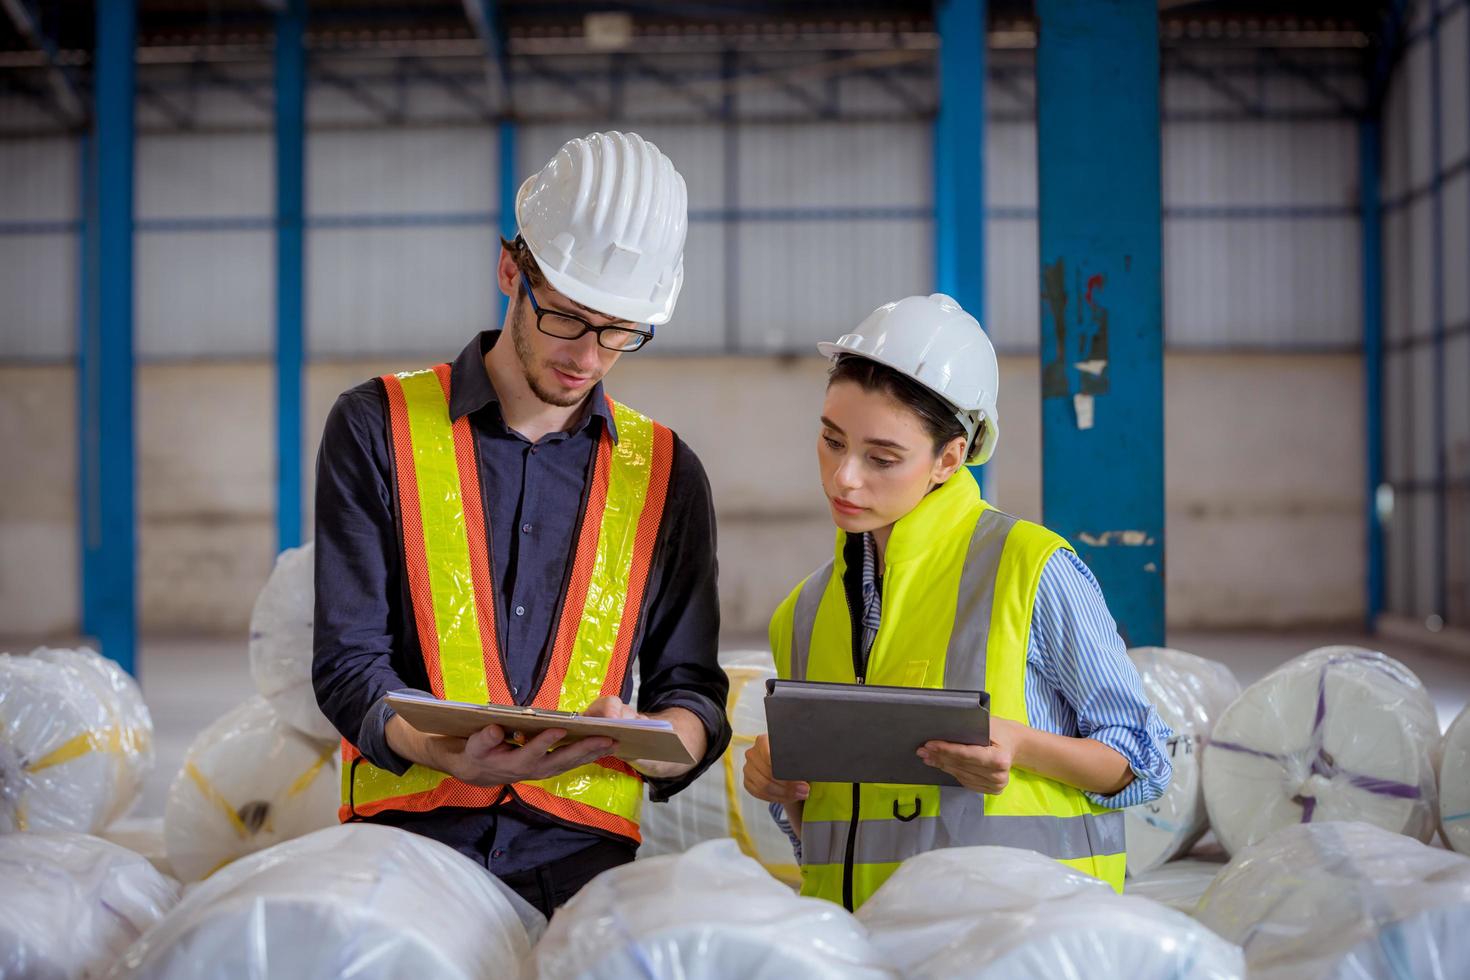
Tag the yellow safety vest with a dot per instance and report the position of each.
(447, 562)
(959, 585)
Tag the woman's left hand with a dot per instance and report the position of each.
(979, 768)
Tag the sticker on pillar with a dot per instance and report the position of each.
(1077, 368)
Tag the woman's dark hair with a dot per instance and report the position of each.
(934, 412)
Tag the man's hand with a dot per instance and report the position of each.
(762, 785)
(487, 758)
(686, 725)
(979, 768)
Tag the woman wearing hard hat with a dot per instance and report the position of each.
(939, 589)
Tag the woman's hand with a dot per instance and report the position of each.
(762, 785)
(979, 768)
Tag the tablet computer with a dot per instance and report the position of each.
(864, 733)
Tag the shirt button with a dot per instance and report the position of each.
(498, 852)
(520, 610)
(525, 528)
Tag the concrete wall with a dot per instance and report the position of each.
(1263, 466)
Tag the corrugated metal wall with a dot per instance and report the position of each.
(798, 228)
(1426, 362)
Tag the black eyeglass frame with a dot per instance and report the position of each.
(641, 336)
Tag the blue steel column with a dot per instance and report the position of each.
(507, 190)
(1370, 158)
(959, 160)
(1098, 145)
(290, 85)
(110, 574)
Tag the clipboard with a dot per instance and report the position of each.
(866, 733)
(637, 738)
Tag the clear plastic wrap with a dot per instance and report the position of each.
(1340, 733)
(141, 835)
(1178, 884)
(249, 781)
(1345, 901)
(1190, 693)
(281, 642)
(707, 914)
(998, 913)
(127, 712)
(357, 900)
(73, 903)
(62, 763)
(1454, 785)
(716, 805)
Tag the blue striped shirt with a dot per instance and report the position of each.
(1079, 680)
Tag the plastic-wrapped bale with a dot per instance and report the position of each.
(1340, 733)
(706, 914)
(1454, 785)
(1344, 901)
(1178, 884)
(72, 904)
(716, 805)
(997, 913)
(141, 835)
(281, 642)
(358, 900)
(61, 761)
(130, 728)
(1190, 693)
(248, 781)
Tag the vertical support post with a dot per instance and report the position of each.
(506, 144)
(959, 161)
(1370, 205)
(108, 490)
(290, 93)
(1098, 156)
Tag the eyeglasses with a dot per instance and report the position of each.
(566, 326)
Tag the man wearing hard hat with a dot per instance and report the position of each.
(498, 529)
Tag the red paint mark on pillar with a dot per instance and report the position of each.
(1095, 282)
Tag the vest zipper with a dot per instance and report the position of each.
(860, 672)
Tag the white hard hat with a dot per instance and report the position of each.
(606, 220)
(935, 342)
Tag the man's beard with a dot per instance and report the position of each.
(527, 357)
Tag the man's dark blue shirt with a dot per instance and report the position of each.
(366, 640)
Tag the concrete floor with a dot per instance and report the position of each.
(189, 683)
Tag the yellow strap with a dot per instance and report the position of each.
(207, 790)
(789, 873)
(305, 779)
(628, 477)
(111, 740)
(446, 540)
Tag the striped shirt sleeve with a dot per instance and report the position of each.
(1080, 682)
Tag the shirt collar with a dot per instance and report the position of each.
(470, 387)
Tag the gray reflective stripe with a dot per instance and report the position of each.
(889, 841)
(964, 660)
(804, 618)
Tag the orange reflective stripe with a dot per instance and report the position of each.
(578, 813)
(584, 559)
(414, 556)
(648, 524)
(498, 688)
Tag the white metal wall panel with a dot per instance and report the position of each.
(39, 180)
(399, 290)
(1395, 137)
(1456, 199)
(836, 165)
(38, 289)
(1457, 407)
(1421, 267)
(205, 176)
(408, 172)
(1416, 66)
(1422, 435)
(1010, 165)
(1261, 164)
(1454, 66)
(698, 324)
(1397, 276)
(1012, 285)
(801, 282)
(205, 294)
(1398, 408)
(1260, 283)
(1426, 534)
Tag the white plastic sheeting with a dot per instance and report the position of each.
(1344, 900)
(1000, 912)
(716, 805)
(1340, 733)
(281, 642)
(65, 764)
(249, 781)
(1190, 694)
(358, 900)
(1178, 884)
(707, 914)
(73, 903)
(1454, 785)
(141, 835)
